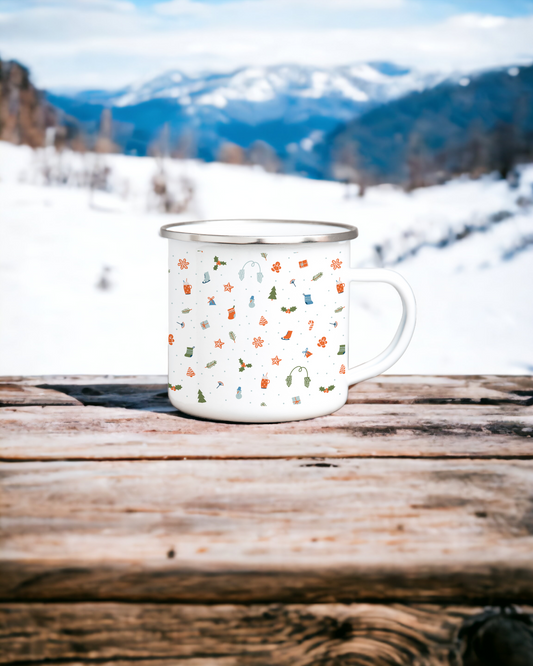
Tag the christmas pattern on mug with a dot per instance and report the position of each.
(250, 317)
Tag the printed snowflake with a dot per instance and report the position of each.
(322, 342)
(228, 287)
(276, 267)
(219, 343)
(183, 263)
(276, 360)
(336, 263)
(258, 342)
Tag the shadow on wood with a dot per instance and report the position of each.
(502, 637)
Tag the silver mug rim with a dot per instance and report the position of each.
(168, 231)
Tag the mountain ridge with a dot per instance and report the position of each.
(282, 105)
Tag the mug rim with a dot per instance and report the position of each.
(170, 231)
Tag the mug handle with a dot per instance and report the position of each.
(405, 331)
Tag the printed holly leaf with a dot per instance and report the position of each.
(248, 365)
(241, 361)
(330, 388)
(293, 308)
(241, 369)
(321, 388)
(288, 380)
(307, 381)
(178, 387)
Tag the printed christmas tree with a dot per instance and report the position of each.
(201, 396)
(272, 294)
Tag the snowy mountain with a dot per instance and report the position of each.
(286, 106)
(257, 94)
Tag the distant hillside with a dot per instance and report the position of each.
(479, 124)
(24, 112)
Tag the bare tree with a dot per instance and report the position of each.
(231, 153)
(262, 154)
(104, 142)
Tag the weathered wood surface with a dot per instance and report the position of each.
(488, 423)
(418, 490)
(257, 530)
(98, 433)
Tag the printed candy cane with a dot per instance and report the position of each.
(311, 324)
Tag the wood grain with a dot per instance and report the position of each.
(356, 430)
(292, 635)
(255, 635)
(268, 530)
(16, 394)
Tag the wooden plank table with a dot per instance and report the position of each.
(398, 530)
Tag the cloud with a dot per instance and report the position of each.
(477, 21)
(183, 8)
(179, 7)
(109, 43)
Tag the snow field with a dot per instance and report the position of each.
(475, 306)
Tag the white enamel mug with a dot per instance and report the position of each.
(259, 313)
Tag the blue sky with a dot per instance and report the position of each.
(110, 43)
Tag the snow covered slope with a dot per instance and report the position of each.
(83, 278)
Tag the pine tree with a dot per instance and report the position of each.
(272, 294)
(201, 396)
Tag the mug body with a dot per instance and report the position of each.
(258, 333)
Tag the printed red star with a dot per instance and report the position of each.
(276, 360)
(228, 287)
(219, 343)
